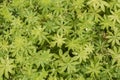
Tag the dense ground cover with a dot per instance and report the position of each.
(59, 40)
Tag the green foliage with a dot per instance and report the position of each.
(59, 40)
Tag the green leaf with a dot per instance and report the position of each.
(96, 4)
(94, 69)
(6, 66)
(58, 39)
(42, 57)
(67, 63)
(114, 38)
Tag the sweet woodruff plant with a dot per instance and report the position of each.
(59, 39)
